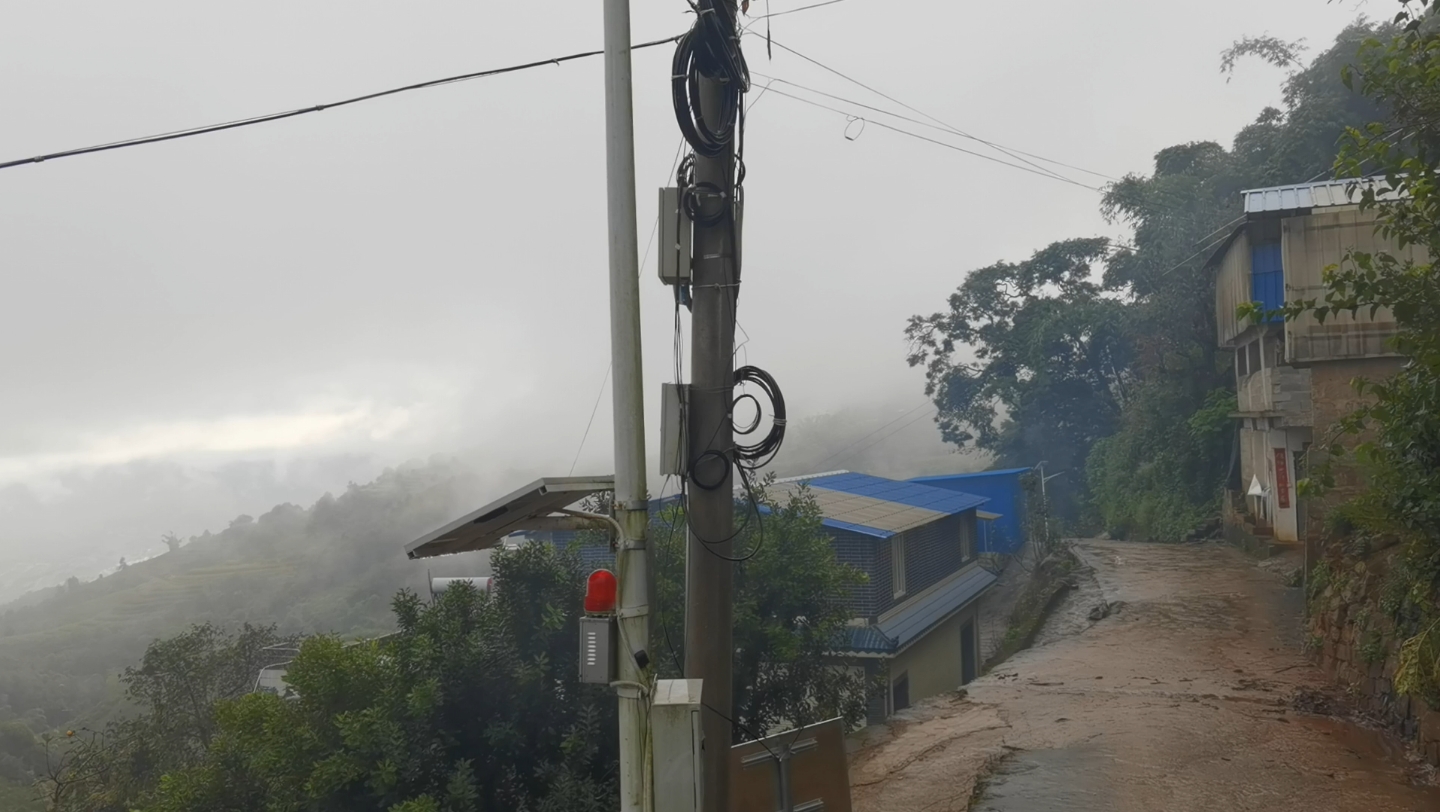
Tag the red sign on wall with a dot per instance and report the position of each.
(1282, 478)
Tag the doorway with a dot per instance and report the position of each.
(968, 652)
(900, 693)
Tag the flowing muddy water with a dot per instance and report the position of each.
(1181, 698)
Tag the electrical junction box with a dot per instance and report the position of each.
(674, 449)
(675, 246)
(597, 650)
(678, 745)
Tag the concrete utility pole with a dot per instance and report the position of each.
(631, 505)
(709, 605)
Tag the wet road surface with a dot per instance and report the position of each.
(1180, 699)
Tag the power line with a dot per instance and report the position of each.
(649, 244)
(263, 119)
(593, 410)
(907, 425)
(760, 17)
(846, 450)
(941, 128)
(1043, 174)
(916, 110)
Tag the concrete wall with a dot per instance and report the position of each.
(1258, 450)
(1333, 397)
(933, 661)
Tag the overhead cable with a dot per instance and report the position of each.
(1016, 154)
(767, 16)
(263, 119)
(757, 455)
(939, 127)
(947, 145)
(846, 450)
(709, 50)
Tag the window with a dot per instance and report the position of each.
(897, 565)
(967, 538)
(900, 693)
(1253, 350)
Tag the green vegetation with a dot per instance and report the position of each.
(790, 610)
(1048, 583)
(331, 568)
(1100, 356)
(473, 705)
(19, 797)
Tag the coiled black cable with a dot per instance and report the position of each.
(759, 454)
(710, 50)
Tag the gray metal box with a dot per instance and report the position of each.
(597, 650)
(674, 236)
(677, 744)
(674, 452)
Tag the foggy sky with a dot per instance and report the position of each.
(311, 300)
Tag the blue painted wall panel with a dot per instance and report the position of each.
(1006, 497)
(1267, 277)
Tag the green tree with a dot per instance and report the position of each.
(790, 614)
(1031, 361)
(472, 705)
(177, 688)
(1104, 355)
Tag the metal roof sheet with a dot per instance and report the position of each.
(867, 515)
(868, 639)
(1318, 195)
(912, 621)
(976, 475)
(914, 494)
(879, 507)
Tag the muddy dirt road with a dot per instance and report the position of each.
(1182, 698)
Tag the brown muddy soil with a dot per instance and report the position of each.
(1180, 694)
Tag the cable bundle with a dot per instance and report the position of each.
(759, 454)
(710, 49)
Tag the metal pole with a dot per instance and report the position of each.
(709, 609)
(787, 801)
(631, 507)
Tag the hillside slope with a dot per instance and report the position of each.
(332, 567)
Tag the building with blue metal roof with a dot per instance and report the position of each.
(1007, 498)
(916, 614)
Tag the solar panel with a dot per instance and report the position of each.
(526, 509)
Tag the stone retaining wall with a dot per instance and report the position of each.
(1357, 647)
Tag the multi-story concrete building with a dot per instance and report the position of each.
(1293, 378)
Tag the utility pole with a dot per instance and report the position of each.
(709, 605)
(631, 497)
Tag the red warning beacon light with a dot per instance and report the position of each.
(600, 593)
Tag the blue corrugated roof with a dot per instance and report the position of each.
(868, 639)
(913, 621)
(914, 494)
(836, 524)
(873, 532)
